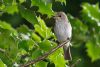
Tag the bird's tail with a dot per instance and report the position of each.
(67, 53)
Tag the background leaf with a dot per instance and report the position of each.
(43, 7)
(2, 64)
(93, 50)
(28, 15)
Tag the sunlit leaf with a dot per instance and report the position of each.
(57, 56)
(43, 30)
(45, 45)
(23, 29)
(43, 7)
(2, 64)
(41, 64)
(7, 26)
(9, 10)
(93, 50)
(8, 5)
(91, 13)
(36, 37)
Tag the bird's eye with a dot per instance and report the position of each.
(59, 15)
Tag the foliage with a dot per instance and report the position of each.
(92, 17)
(24, 43)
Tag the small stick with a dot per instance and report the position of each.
(2, 50)
(44, 56)
(73, 65)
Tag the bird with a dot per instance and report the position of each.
(63, 32)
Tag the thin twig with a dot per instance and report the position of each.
(44, 56)
(73, 65)
(2, 50)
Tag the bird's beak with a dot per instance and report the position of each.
(55, 15)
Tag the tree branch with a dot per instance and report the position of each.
(73, 65)
(44, 56)
(2, 50)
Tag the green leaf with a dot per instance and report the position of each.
(2, 64)
(91, 13)
(9, 10)
(36, 53)
(8, 5)
(45, 45)
(77, 27)
(43, 30)
(36, 37)
(93, 50)
(9, 44)
(28, 15)
(23, 29)
(7, 26)
(41, 64)
(43, 7)
(25, 42)
(57, 56)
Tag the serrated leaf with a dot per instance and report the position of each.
(43, 30)
(28, 15)
(57, 56)
(39, 30)
(93, 50)
(8, 5)
(9, 10)
(43, 7)
(91, 13)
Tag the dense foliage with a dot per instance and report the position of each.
(26, 33)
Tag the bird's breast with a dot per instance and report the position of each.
(62, 31)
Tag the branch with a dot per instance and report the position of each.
(73, 65)
(44, 56)
(2, 50)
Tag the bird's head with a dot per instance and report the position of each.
(60, 16)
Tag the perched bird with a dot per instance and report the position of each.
(63, 32)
